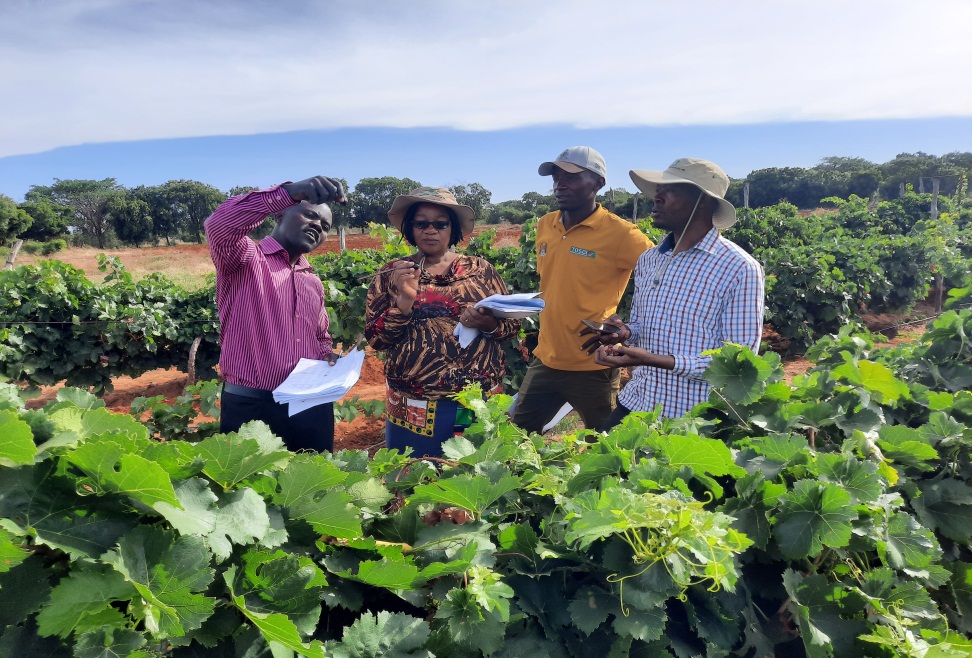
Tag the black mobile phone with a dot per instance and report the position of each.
(601, 327)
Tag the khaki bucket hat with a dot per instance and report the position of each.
(705, 175)
(440, 196)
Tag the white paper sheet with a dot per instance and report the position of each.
(314, 382)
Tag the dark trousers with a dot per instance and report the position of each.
(312, 429)
(592, 393)
(616, 417)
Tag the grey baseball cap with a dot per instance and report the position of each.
(575, 160)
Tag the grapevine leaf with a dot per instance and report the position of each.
(16, 441)
(81, 594)
(591, 607)
(389, 574)
(893, 597)
(945, 506)
(369, 493)
(593, 467)
(738, 374)
(813, 515)
(385, 635)
(108, 643)
(30, 581)
(79, 398)
(196, 514)
(907, 545)
(168, 573)
(24, 641)
(306, 479)
(472, 492)
(859, 479)
(821, 609)
(544, 601)
(275, 626)
(941, 428)
(241, 519)
(11, 553)
(906, 446)
(278, 582)
(329, 514)
(37, 499)
(709, 456)
(96, 422)
(960, 585)
(471, 626)
(489, 591)
(645, 625)
(107, 463)
(752, 507)
(231, 458)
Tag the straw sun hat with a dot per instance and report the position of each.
(703, 174)
(440, 196)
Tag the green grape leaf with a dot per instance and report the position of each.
(283, 583)
(231, 458)
(107, 463)
(79, 398)
(875, 378)
(591, 607)
(385, 635)
(35, 497)
(960, 585)
(709, 456)
(389, 574)
(108, 643)
(906, 446)
(822, 610)
(196, 514)
(813, 515)
(945, 506)
(593, 467)
(470, 625)
(859, 478)
(16, 441)
(241, 519)
(472, 492)
(908, 545)
(275, 627)
(30, 581)
(738, 374)
(81, 594)
(645, 625)
(11, 552)
(168, 573)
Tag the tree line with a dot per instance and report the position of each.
(103, 213)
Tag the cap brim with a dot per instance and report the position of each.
(401, 204)
(648, 181)
(546, 169)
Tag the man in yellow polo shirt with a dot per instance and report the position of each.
(585, 256)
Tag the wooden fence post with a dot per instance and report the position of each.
(13, 254)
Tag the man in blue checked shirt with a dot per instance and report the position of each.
(693, 292)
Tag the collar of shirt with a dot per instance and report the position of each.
(588, 221)
(268, 246)
(706, 244)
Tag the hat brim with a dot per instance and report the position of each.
(546, 169)
(648, 182)
(401, 204)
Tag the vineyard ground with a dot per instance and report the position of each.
(192, 264)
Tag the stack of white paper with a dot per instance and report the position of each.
(315, 382)
(520, 305)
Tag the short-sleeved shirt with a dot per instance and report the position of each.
(583, 274)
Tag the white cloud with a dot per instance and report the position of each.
(93, 71)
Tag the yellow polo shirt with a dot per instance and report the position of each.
(583, 274)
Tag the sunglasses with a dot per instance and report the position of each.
(438, 226)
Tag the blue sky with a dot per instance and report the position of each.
(444, 92)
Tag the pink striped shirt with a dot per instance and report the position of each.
(271, 314)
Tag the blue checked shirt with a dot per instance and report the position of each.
(686, 304)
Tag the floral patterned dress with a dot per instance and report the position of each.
(424, 363)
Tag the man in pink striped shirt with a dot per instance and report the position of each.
(271, 305)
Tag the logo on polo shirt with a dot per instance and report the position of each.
(543, 248)
(582, 252)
